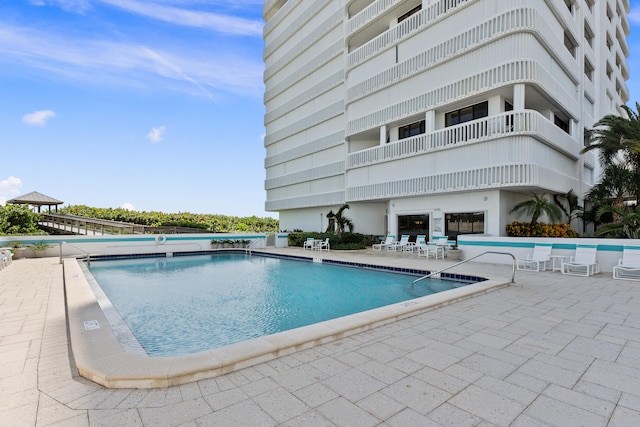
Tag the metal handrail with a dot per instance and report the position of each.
(87, 254)
(513, 265)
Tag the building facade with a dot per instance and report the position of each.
(434, 116)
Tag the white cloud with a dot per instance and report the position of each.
(225, 24)
(634, 15)
(75, 6)
(9, 188)
(186, 68)
(128, 206)
(38, 118)
(156, 134)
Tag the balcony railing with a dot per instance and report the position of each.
(498, 126)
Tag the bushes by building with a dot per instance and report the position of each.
(540, 229)
(348, 241)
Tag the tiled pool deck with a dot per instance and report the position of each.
(549, 350)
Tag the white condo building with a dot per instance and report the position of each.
(434, 116)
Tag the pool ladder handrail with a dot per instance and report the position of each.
(513, 265)
(87, 255)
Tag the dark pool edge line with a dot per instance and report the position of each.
(99, 357)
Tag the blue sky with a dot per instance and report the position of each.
(155, 105)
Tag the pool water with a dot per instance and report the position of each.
(187, 304)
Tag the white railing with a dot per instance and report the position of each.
(317, 62)
(369, 13)
(316, 90)
(521, 71)
(509, 22)
(274, 65)
(319, 116)
(482, 178)
(314, 146)
(285, 32)
(312, 174)
(419, 21)
(322, 199)
(498, 126)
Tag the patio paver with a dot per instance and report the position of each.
(549, 350)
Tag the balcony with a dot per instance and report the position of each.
(527, 122)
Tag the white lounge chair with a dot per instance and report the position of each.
(6, 256)
(583, 263)
(309, 243)
(398, 246)
(421, 240)
(628, 267)
(384, 244)
(322, 245)
(539, 260)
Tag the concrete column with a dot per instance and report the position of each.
(383, 134)
(429, 121)
(518, 97)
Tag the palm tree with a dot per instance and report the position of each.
(614, 136)
(536, 206)
(573, 208)
(626, 223)
(342, 221)
(616, 183)
(331, 225)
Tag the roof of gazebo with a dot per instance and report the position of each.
(35, 198)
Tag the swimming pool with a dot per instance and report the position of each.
(100, 357)
(187, 304)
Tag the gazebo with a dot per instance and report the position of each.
(36, 199)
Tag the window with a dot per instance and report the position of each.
(562, 124)
(569, 5)
(413, 225)
(588, 34)
(509, 119)
(413, 129)
(588, 69)
(570, 44)
(411, 12)
(467, 114)
(464, 223)
(586, 139)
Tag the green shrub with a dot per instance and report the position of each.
(19, 219)
(524, 229)
(348, 241)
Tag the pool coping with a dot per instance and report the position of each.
(99, 356)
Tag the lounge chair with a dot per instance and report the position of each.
(309, 243)
(539, 260)
(399, 246)
(384, 244)
(628, 267)
(421, 240)
(6, 256)
(583, 263)
(323, 245)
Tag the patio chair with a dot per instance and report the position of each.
(583, 263)
(421, 240)
(628, 267)
(442, 245)
(386, 242)
(309, 243)
(323, 245)
(539, 260)
(398, 246)
(5, 257)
